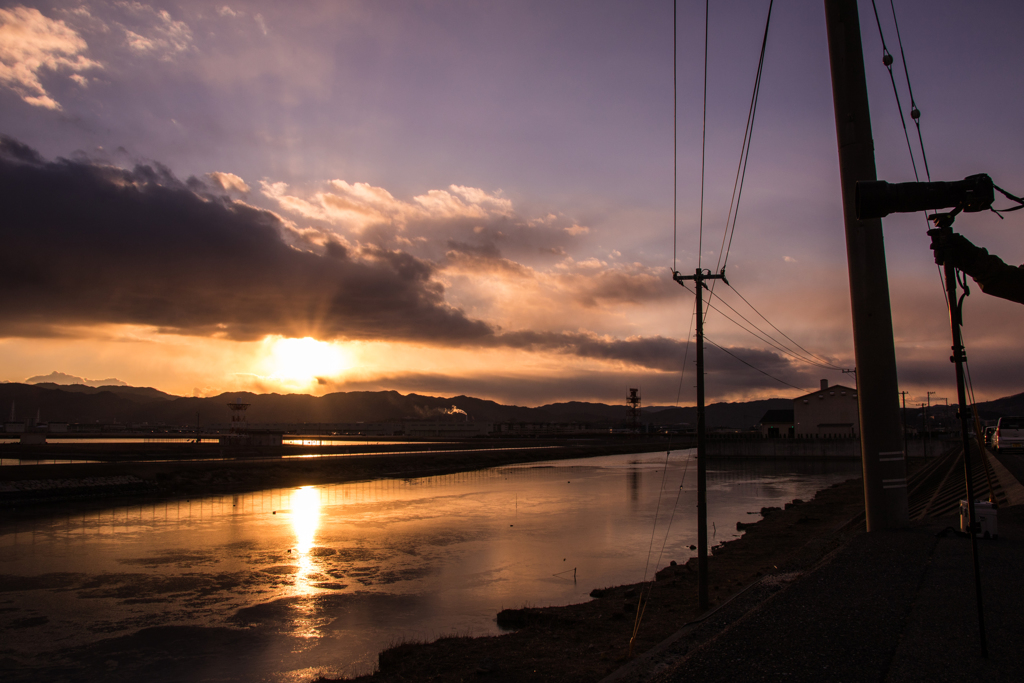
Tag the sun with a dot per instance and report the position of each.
(304, 360)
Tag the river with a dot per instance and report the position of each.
(288, 584)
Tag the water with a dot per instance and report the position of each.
(286, 584)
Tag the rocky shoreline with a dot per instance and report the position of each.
(593, 640)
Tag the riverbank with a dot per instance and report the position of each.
(32, 491)
(588, 641)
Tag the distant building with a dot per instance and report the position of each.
(778, 423)
(447, 428)
(252, 437)
(830, 411)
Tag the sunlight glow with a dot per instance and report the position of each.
(305, 514)
(304, 360)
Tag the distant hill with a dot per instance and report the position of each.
(117, 404)
(141, 394)
(1001, 407)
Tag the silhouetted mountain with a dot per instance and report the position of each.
(1001, 407)
(140, 394)
(78, 403)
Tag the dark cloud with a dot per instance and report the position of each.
(727, 381)
(86, 244)
(91, 244)
(735, 369)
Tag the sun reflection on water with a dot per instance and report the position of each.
(305, 514)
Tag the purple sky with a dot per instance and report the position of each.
(466, 197)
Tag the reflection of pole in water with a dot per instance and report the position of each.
(634, 484)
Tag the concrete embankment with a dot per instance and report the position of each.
(32, 489)
(814, 448)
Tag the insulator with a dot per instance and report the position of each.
(915, 113)
(887, 59)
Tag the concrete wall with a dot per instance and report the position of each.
(814, 448)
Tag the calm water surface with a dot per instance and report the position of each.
(286, 584)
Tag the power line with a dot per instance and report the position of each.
(770, 340)
(766, 374)
(703, 137)
(835, 367)
(675, 137)
(887, 62)
(741, 169)
(915, 113)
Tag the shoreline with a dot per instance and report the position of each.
(36, 491)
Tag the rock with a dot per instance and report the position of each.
(512, 618)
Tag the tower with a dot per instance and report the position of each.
(633, 401)
(238, 423)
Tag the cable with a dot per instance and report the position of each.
(650, 549)
(771, 341)
(915, 113)
(675, 137)
(642, 602)
(780, 381)
(704, 133)
(741, 170)
(686, 352)
(777, 329)
(887, 60)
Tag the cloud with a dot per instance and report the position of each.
(87, 244)
(139, 246)
(64, 378)
(155, 31)
(228, 182)
(30, 43)
(357, 206)
(576, 230)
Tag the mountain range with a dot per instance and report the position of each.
(128, 405)
(81, 403)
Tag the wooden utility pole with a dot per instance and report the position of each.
(882, 455)
(702, 475)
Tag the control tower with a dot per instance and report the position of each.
(238, 423)
(633, 401)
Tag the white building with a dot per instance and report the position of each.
(830, 411)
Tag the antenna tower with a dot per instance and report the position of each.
(238, 423)
(633, 401)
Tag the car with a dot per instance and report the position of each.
(989, 432)
(1009, 434)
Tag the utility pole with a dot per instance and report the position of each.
(699, 276)
(927, 419)
(884, 463)
(903, 395)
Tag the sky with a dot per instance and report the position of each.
(447, 197)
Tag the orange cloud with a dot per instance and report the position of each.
(30, 43)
